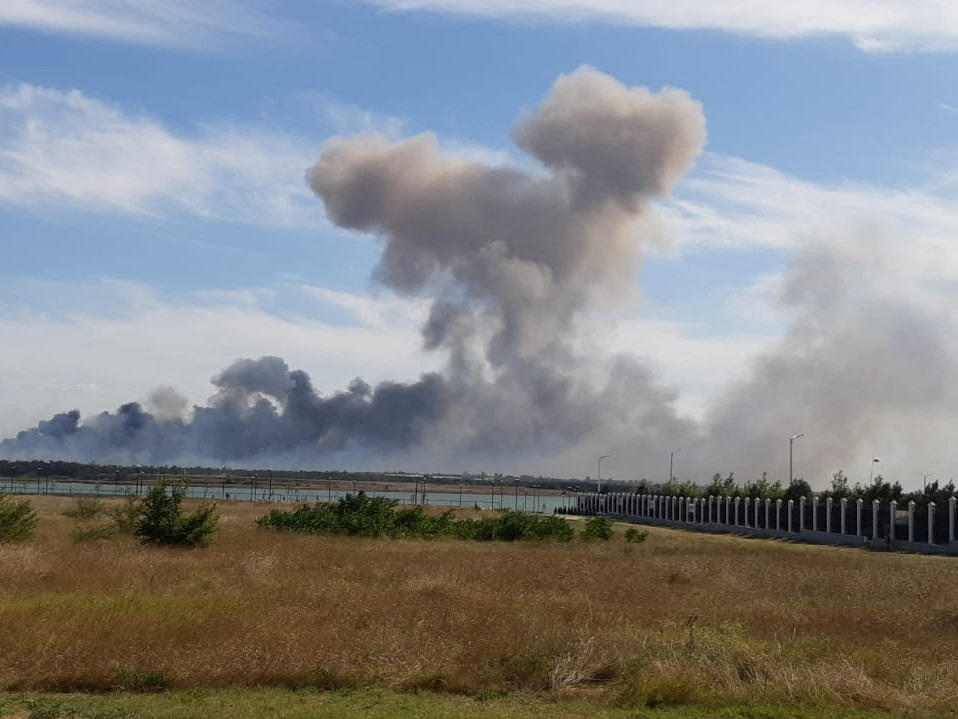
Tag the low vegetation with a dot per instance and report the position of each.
(362, 516)
(85, 508)
(598, 528)
(366, 704)
(680, 625)
(161, 520)
(17, 519)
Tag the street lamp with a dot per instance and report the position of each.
(598, 473)
(871, 469)
(791, 442)
(671, 455)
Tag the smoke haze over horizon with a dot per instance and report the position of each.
(515, 262)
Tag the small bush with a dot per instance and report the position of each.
(94, 534)
(597, 528)
(85, 508)
(17, 520)
(636, 535)
(161, 521)
(141, 680)
(124, 517)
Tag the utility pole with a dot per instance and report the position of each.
(598, 473)
(671, 456)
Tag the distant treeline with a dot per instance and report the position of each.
(13, 469)
(840, 489)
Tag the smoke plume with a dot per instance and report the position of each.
(513, 261)
(511, 258)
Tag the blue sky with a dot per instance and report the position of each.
(155, 222)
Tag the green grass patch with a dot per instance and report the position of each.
(369, 704)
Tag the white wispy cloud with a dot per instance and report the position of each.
(66, 149)
(166, 23)
(732, 203)
(872, 25)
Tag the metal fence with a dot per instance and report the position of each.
(929, 528)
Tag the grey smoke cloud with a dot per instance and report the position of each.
(511, 258)
(512, 261)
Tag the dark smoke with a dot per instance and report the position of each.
(512, 260)
(262, 410)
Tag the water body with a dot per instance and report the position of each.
(526, 501)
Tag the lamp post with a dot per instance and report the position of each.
(598, 473)
(791, 443)
(871, 469)
(671, 456)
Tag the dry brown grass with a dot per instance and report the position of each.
(681, 618)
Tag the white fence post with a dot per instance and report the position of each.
(875, 504)
(768, 511)
(951, 519)
(758, 502)
(791, 507)
(911, 521)
(931, 523)
(844, 506)
(778, 515)
(893, 524)
(735, 503)
(828, 514)
(858, 516)
(746, 503)
(801, 514)
(728, 510)
(814, 513)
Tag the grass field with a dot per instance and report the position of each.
(365, 704)
(684, 622)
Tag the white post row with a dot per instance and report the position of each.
(844, 506)
(875, 505)
(911, 521)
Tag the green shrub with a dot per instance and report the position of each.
(635, 535)
(363, 516)
(17, 520)
(160, 519)
(141, 680)
(597, 528)
(85, 508)
(94, 533)
(124, 517)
